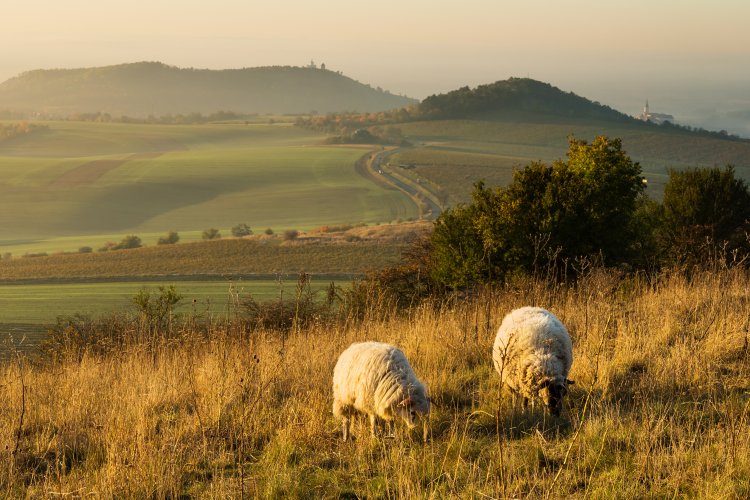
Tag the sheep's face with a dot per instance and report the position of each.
(409, 409)
(552, 394)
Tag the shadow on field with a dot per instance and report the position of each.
(127, 206)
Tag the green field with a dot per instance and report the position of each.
(26, 311)
(42, 303)
(82, 184)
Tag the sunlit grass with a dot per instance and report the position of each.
(661, 406)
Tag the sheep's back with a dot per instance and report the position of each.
(531, 343)
(370, 375)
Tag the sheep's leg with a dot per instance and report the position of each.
(425, 430)
(390, 428)
(345, 427)
(373, 422)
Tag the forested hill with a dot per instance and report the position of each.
(515, 97)
(150, 88)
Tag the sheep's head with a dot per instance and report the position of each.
(552, 393)
(412, 407)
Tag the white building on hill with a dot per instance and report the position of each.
(658, 118)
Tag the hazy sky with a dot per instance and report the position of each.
(620, 53)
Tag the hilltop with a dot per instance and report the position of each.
(153, 88)
(515, 98)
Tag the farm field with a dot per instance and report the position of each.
(454, 154)
(76, 184)
(42, 303)
(226, 257)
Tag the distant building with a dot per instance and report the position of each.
(658, 118)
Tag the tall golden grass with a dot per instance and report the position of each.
(661, 407)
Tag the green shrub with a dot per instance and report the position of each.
(128, 242)
(241, 230)
(705, 212)
(211, 234)
(170, 239)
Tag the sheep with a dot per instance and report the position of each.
(376, 379)
(533, 354)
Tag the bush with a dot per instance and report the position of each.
(211, 234)
(128, 242)
(268, 231)
(705, 211)
(241, 230)
(156, 308)
(290, 234)
(170, 239)
(110, 245)
(85, 250)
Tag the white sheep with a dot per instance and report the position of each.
(533, 354)
(376, 379)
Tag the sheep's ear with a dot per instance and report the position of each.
(405, 402)
(570, 382)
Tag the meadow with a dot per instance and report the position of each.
(661, 405)
(78, 184)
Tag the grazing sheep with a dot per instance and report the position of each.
(376, 379)
(533, 354)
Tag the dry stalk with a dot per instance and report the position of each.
(19, 429)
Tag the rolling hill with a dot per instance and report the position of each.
(152, 88)
(104, 180)
(519, 98)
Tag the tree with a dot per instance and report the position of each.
(704, 210)
(241, 230)
(582, 206)
(170, 239)
(211, 234)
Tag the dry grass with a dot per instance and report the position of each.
(661, 407)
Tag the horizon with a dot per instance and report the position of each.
(686, 58)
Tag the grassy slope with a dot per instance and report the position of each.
(455, 153)
(660, 408)
(81, 179)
